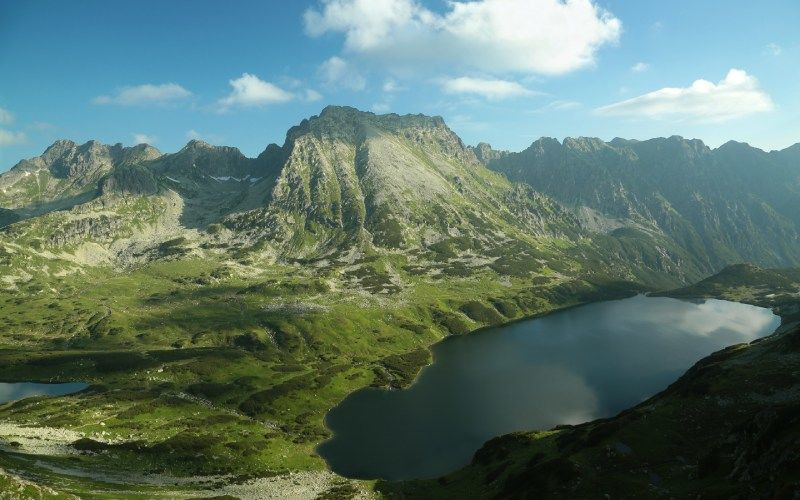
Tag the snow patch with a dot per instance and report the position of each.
(237, 179)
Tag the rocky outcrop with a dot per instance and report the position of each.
(102, 227)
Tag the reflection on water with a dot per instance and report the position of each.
(20, 390)
(570, 367)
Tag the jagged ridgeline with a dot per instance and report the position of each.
(348, 183)
(735, 203)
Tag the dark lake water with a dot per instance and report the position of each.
(19, 390)
(566, 368)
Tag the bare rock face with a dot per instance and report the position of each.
(133, 180)
(86, 228)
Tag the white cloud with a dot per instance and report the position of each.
(390, 85)
(144, 139)
(145, 94)
(9, 138)
(558, 105)
(6, 117)
(338, 73)
(211, 138)
(564, 104)
(738, 94)
(527, 36)
(774, 49)
(381, 107)
(490, 89)
(640, 67)
(311, 95)
(251, 91)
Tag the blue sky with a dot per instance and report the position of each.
(501, 71)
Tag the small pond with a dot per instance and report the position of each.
(12, 391)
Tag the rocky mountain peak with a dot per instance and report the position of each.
(197, 144)
(57, 149)
(486, 154)
(585, 144)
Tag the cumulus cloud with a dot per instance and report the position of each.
(738, 94)
(640, 67)
(9, 138)
(526, 36)
(251, 91)
(338, 73)
(6, 117)
(144, 139)
(490, 89)
(145, 94)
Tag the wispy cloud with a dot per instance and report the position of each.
(9, 138)
(738, 94)
(558, 105)
(144, 95)
(488, 88)
(390, 85)
(144, 139)
(338, 73)
(531, 36)
(640, 67)
(773, 49)
(251, 91)
(6, 117)
(193, 134)
(311, 95)
(41, 126)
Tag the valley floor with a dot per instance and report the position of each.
(213, 377)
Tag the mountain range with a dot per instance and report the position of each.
(348, 181)
(223, 295)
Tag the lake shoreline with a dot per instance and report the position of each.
(619, 322)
